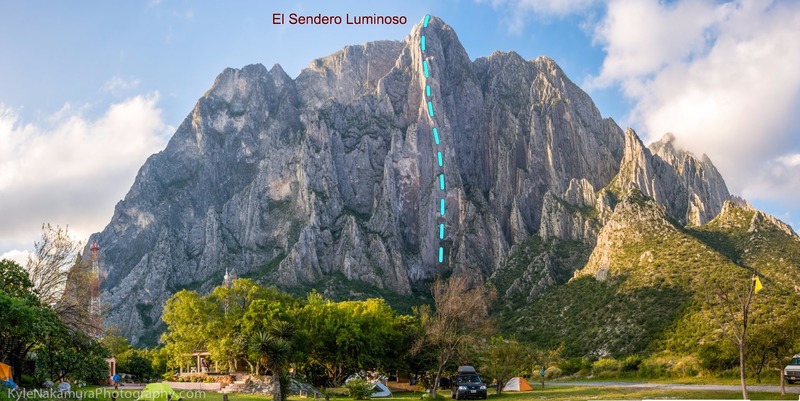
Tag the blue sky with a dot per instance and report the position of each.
(89, 89)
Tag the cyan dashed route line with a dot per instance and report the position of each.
(426, 68)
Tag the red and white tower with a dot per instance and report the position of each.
(95, 303)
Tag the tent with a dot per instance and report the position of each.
(379, 390)
(157, 392)
(5, 372)
(517, 384)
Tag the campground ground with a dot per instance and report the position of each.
(566, 391)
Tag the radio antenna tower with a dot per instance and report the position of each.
(95, 304)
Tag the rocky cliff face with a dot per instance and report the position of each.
(692, 189)
(289, 181)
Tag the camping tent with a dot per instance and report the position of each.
(157, 392)
(379, 390)
(517, 384)
(5, 372)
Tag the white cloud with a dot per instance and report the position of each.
(70, 170)
(776, 182)
(790, 160)
(117, 84)
(16, 255)
(641, 37)
(778, 178)
(721, 76)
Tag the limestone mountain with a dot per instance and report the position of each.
(328, 180)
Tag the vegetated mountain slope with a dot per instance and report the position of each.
(327, 180)
(643, 287)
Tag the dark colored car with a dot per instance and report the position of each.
(467, 384)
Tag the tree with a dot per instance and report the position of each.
(114, 342)
(243, 310)
(504, 359)
(29, 327)
(544, 357)
(458, 320)
(74, 304)
(25, 321)
(62, 280)
(136, 362)
(773, 343)
(69, 353)
(187, 316)
(50, 261)
(342, 338)
(273, 348)
(14, 281)
(729, 300)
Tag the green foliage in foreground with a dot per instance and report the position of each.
(29, 327)
(329, 341)
(359, 389)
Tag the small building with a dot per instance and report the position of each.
(112, 369)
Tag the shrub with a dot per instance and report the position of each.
(631, 363)
(574, 365)
(715, 357)
(552, 372)
(685, 367)
(225, 379)
(606, 367)
(359, 388)
(667, 364)
(28, 381)
(653, 369)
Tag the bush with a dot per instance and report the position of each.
(631, 363)
(715, 357)
(225, 379)
(653, 369)
(667, 364)
(28, 381)
(359, 388)
(606, 367)
(685, 367)
(574, 365)
(553, 372)
(425, 380)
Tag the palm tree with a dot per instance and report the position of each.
(273, 348)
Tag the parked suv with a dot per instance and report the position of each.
(467, 384)
(792, 371)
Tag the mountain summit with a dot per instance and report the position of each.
(330, 177)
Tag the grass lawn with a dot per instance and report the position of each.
(725, 381)
(557, 393)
